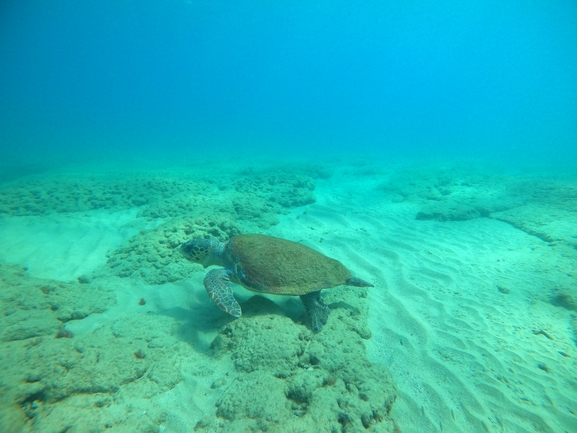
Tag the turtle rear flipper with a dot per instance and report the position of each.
(317, 310)
(217, 284)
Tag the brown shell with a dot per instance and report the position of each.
(271, 265)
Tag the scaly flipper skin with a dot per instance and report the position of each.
(217, 284)
(317, 310)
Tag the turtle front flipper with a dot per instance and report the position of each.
(317, 310)
(217, 284)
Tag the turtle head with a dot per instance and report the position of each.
(206, 252)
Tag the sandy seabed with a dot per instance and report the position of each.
(470, 326)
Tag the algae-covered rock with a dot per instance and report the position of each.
(251, 207)
(290, 380)
(53, 380)
(35, 307)
(153, 257)
(55, 384)
(205, 209)
(276, 344)
(285, 189)
(548, 222)
(39, 196)
(448, 211)
(246, 399)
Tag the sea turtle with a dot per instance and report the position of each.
(267, 264)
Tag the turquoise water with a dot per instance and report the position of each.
(97, 80)
(431, 148)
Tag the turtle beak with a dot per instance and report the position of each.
(185, 249)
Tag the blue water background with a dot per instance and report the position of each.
(95, 80)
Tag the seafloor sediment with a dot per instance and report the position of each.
(106, 328)
(274, 371)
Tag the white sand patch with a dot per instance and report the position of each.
(465, 355)
(65, 246)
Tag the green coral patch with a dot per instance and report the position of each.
(287, 379)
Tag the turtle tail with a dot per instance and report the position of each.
(355, 281)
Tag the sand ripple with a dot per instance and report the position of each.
(456, 313)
